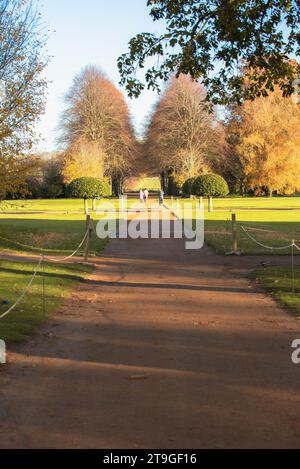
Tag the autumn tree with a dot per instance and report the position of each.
(264, 137)
(83, 159)
(96, 130)
(210, 39)
(183, 138)
(22, 88)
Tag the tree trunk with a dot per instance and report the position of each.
(163, 181)
(117, 186)
(86, 206)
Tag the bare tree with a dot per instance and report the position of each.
(97, 116)
(182, 136)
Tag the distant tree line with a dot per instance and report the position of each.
(255, 146)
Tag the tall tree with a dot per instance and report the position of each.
(97, 131)
(22, 87)
(264, 136)
(183, 137)
(210, 39)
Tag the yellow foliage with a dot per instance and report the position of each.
(269, 142)
(83, 160)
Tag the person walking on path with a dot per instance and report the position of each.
(142, 195)
(146, 195)
(161, 197)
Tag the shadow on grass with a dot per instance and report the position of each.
(218, 235)
(45, 274)
(45, 236)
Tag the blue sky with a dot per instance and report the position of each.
(84, 32)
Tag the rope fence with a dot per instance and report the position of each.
(52, 259)
(265, 246)
(291, 246)
(24, 291)
(248, 231)
(21, 245)
(297, 247)
(42, 259)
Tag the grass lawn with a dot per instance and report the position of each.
(53, 206)
(136, 184)
(58, 226)
(40, 205)
(46, 226)
(33, 308)
(278, 280)
(272, 221)
(51, 226)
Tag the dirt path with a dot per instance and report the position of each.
(213, 352)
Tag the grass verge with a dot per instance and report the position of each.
(279, 281)
(59, 236)
(35, 307)
(51, 226)
(271, 221)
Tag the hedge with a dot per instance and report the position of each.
(88, 188)
(210, 185)
(187, 187)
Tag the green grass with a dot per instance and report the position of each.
(278, 280)
(50, 206)
(273, 222)
(57, 226)
(33, 308)
(258, 203)
(51, 226)
(59, 236)
(136, 184)
(47, 226)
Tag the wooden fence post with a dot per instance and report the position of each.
(89, 230)
(234, 234)
(86, 206)
(210, 205)
(234, 231)
(2, 352)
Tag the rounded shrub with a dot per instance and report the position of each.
(187, 187)
(210, 185)
(88, 188)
